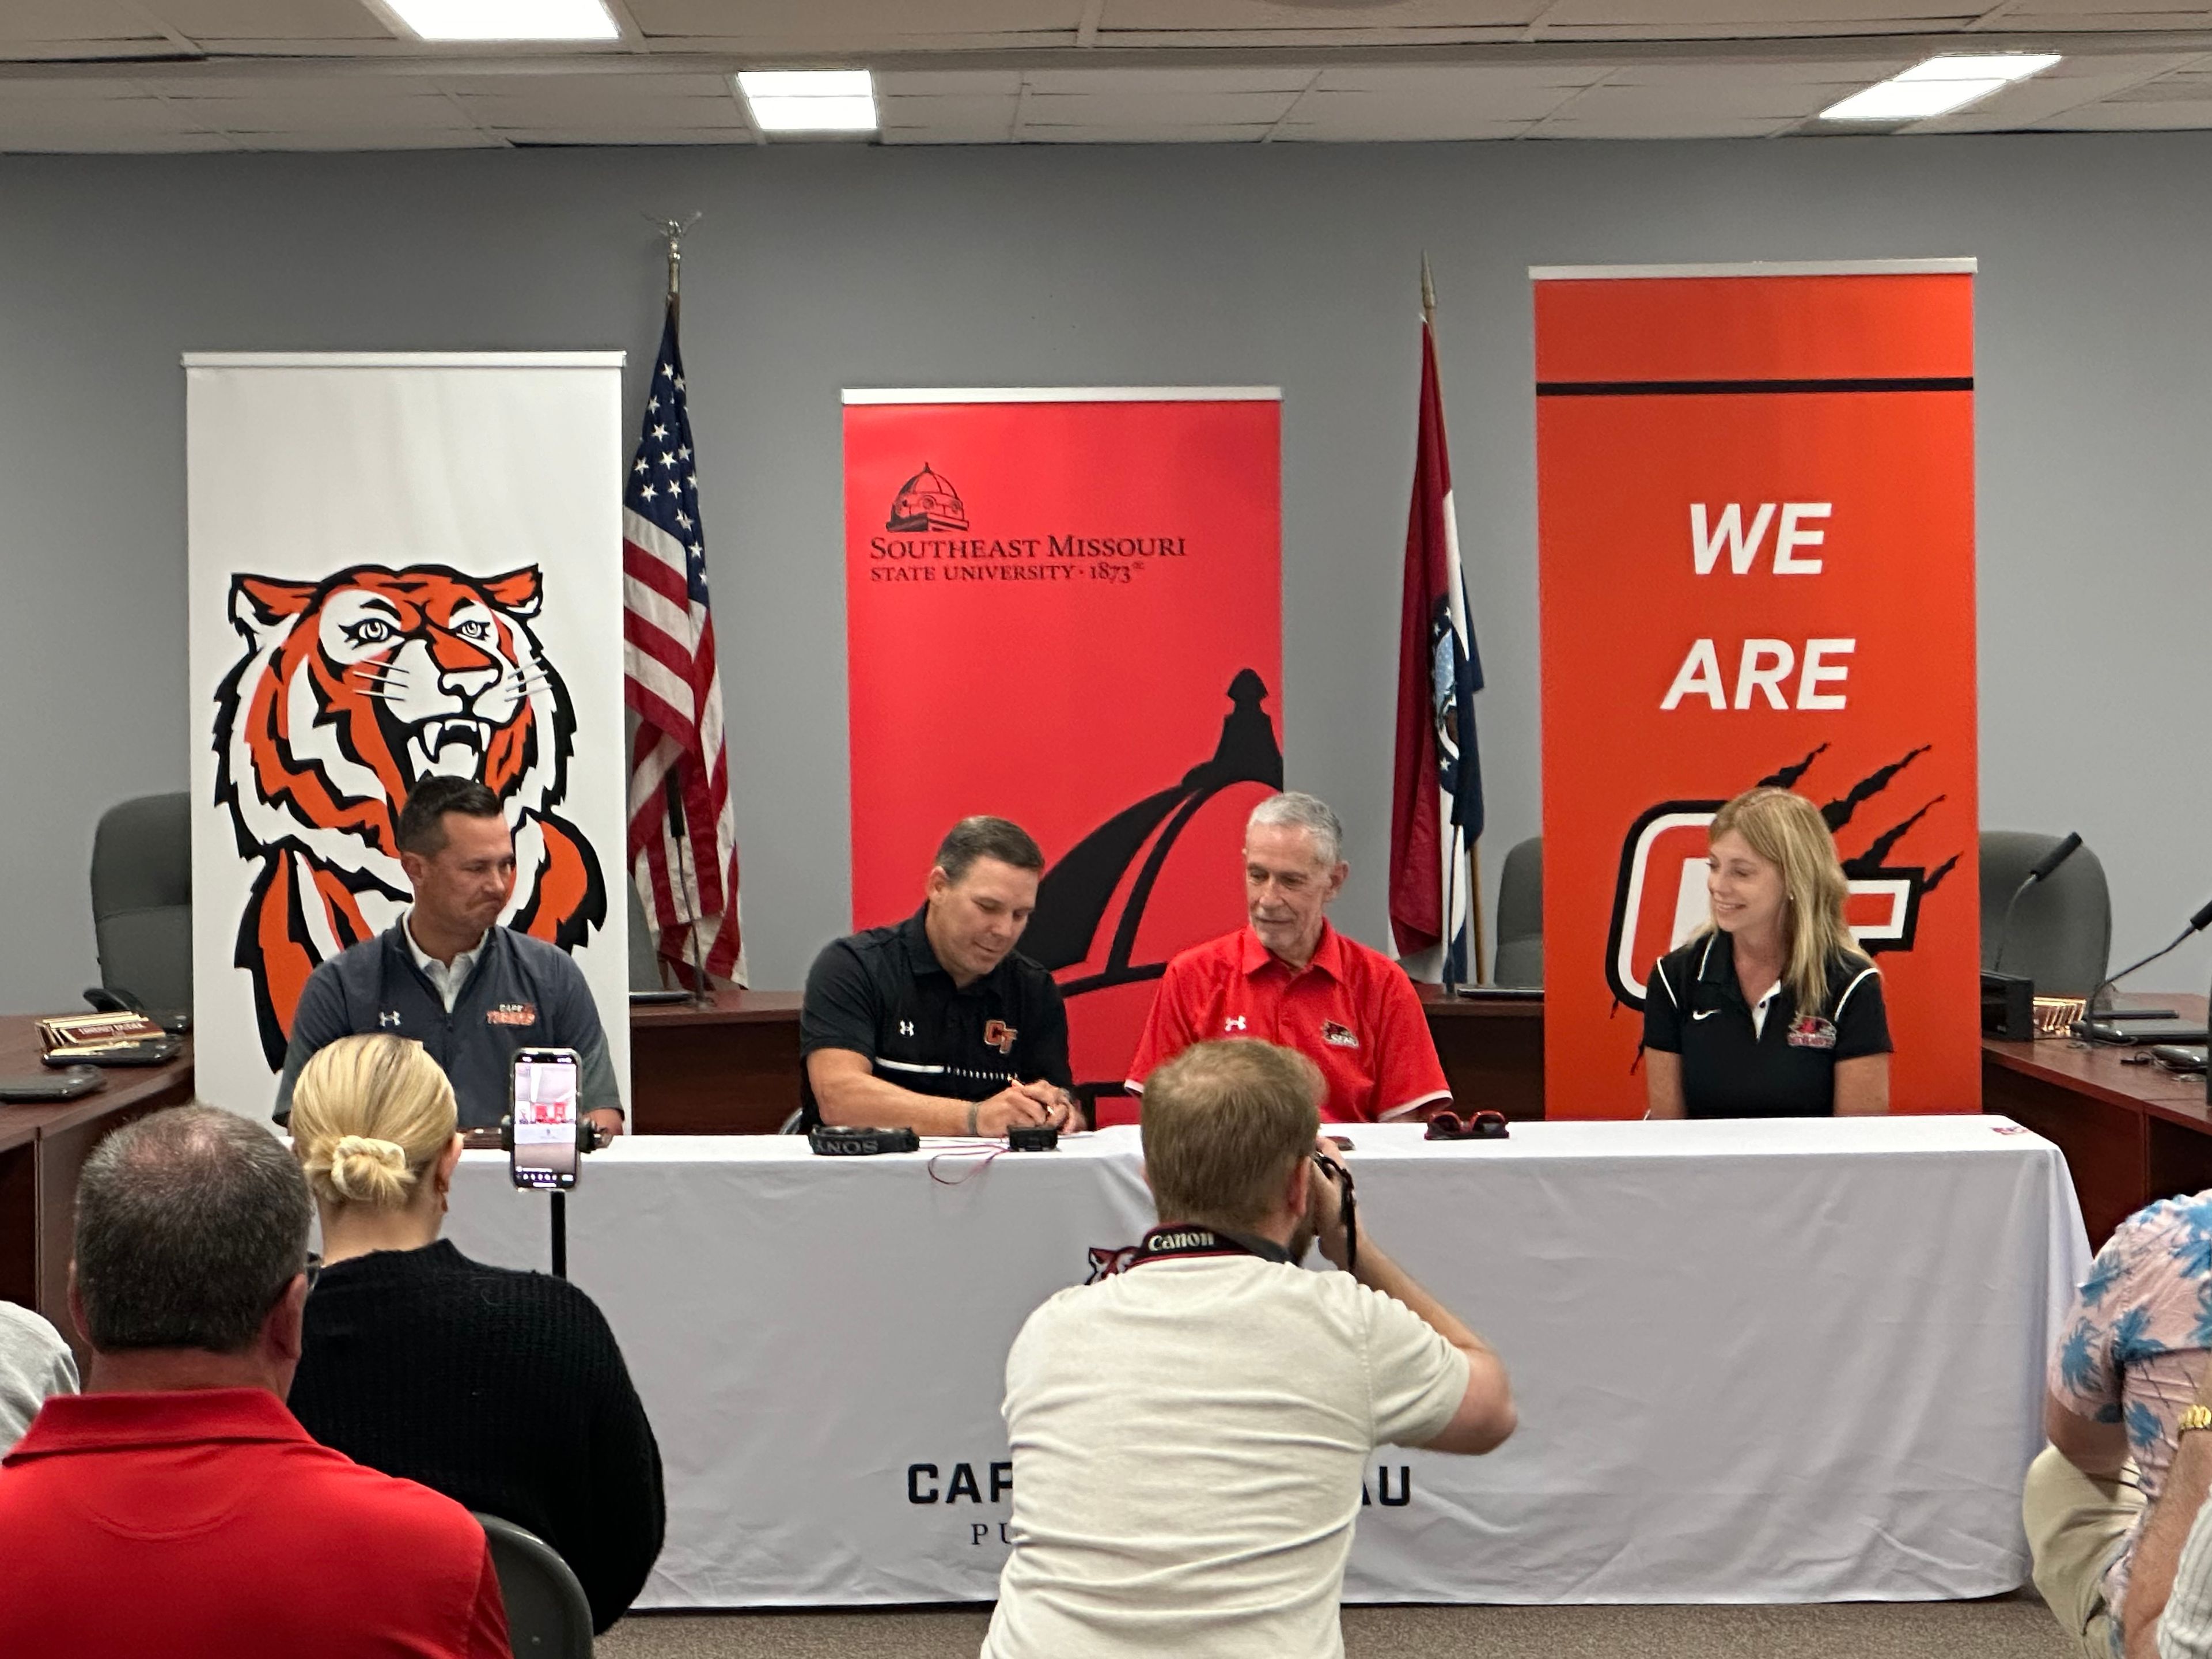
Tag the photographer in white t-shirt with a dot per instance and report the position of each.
(1189, 1435)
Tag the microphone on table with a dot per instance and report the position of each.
(2197, 924)
(2044, 868)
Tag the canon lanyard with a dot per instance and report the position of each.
(1177, 1242)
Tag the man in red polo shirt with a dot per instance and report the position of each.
(1290, 978)
(176, 1508)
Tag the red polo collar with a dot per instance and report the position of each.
(1328, 955)
(72, 1422)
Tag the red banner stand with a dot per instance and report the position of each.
(1064, 608)
(1755, 493)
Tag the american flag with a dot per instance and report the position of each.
(683, 841)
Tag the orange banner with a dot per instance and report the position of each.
(1756, 531)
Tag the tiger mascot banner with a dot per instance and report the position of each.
(401, 567)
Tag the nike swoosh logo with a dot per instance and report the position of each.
(1705, 1013)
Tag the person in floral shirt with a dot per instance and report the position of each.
(2130, 1356)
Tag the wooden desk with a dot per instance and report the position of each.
(733, 1069)
(2130, 1133)
(41, 1149)
(1492, 1051)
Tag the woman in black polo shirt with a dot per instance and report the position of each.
(1772, 1010)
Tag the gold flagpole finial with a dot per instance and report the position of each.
(675, 230)
(1428, 292)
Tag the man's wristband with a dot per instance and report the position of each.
(2197, 1416)
(974, 1106)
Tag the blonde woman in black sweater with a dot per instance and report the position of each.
(504, 1390)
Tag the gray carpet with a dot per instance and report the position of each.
(2010, 1627)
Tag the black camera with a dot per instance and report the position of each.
(1332, 1169)
(1032, 1138)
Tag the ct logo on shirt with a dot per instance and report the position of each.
(1235, 1023)
(1000, 1036)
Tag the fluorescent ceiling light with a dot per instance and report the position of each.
(1939, 86)
(506, 20)
(810, 100)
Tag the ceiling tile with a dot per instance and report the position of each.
(613, 85)
(1473, 81)
(1623, 124)
(1347, 115)
(1289, 77)
(1275, 15)
(206, 21)
(104, 141)
(2130, 118)
(338, 138)
(798, 22)
(1150, 109)
(1378, 123)
(952, 83)
(59, 20)
(597, 135)
(675, 114)
(1196, 133)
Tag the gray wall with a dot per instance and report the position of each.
(816, 268)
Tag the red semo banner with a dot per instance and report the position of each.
(1064, 608)
(1756, 528)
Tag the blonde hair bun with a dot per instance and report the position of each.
(365, 1170)
(369, 1114)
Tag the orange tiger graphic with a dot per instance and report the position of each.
(351, 689)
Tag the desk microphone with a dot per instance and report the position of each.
(2197, 924)
(2043, 871)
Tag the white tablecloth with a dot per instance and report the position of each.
(1755, 1362)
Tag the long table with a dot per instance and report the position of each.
(2132, 1130)
(1756, 1361)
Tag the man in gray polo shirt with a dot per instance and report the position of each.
(447, 974)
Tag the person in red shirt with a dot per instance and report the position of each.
(1290, 978)
(176, 1507)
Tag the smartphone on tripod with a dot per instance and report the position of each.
(542, 1103)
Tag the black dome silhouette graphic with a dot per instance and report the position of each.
(1073, 897)
(928, 500)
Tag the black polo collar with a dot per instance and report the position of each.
(1717, 967)
(921, 957)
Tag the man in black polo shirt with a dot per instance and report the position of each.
(448, 976)
(939, 1024)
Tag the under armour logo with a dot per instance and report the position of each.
(906, 1028)
(1234, 1023)
(388, 1019)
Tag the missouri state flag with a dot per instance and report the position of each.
(1436, 804)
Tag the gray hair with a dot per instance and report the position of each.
(1293, 811)
(190, 1224)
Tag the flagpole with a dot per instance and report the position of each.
(702, 994)
(1474, 850)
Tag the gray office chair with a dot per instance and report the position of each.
(1519, 957)
(141, 900)
(2061, 929)
(547, 1616)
